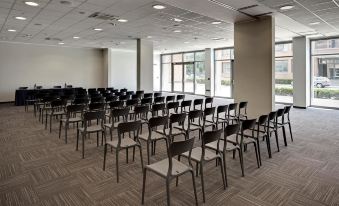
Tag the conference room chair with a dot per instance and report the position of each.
(90, 127)
(197, 104)
(91, 90)
(223, 146)
(124, 97)
(242, 110)
(247, 126)
(175, 120)
(98, 99)
(96, 106)
(184, 105)
(39, 87)
(286, 120)
(272, 128)
(232, 113)
(170, 99)
(148, 95)
(57, 110)
(83, 101)
(147, 101)
(140, 94)
(44, 106)
(202, 155)
(23, 88)
(114, 105)
(153, 136)
(159, 100)
(74, 115)
(117, 115)
(141, 114)
(193, 123)
(172, 108)
(208, 100)
(31, 99)
(101, 90)
(123, 90)
(180, 97)
(280, 123)
(158, 109)
(170, 168)
(129, 93)
(157, 94)
(137, 97)
(130, 104)
(124, 142)
(208, 119)
(57, 87)
(221, 117)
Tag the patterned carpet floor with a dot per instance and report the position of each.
(38, 168)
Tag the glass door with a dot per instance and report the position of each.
(189, 78)
(224, 78)
(177, 81)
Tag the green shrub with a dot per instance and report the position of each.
(325, 93)
(284, 91)
(225, 82)
(283, 81)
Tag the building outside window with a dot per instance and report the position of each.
(283, 73)
(325, 72)
(223, 79)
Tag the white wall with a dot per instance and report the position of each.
(156, 72)
(145, 67)
(25, 65)
(122, 68)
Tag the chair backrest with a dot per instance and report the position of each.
(57, 87)
(75, 108)
(248, 124)
(132, 102)
(208, 100)
(222, 109)
(98, 99)
(88, 116)
(198, 102)
(211, 136)
(123, 97)
(170, 98)
(287, 109)
(148, 95)
(232, 107)
(209, 111)
(159, 99)
(129, 93)
(158, 107)
(172, 105)
(80, 101)
(141, 109)
(262, 119)
(139, 93)
(195, 114)
(180, 97)
(177, 118)
(116, 104)
(111, 98)
(157, 94)
(96, 106)
(127, 127)
(91, 90)
(231, 129)
(157, 121)
(177, 148)
(243, 106)
(186, 103)
(146, 101)
(123, 90)
(272, 115)
(280, 112)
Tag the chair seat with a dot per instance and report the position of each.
(109, 125)
(196, 154)
(94, 128)
(154, 136)
(125, 143)
(192, 127)
(161, 167)
(71, 120)
(175, 131)
(246, 140)
(229, 146)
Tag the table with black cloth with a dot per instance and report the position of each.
(22, 94)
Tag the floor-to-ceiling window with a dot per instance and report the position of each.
(283, 73)
(223, 65)
(183, 72)
(325, 72)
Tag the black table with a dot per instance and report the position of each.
(22, 94)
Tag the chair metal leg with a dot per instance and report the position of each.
(141, 158)
(50, 123)
(60, 125)
(284, 135)
(83, 145)
(194, 188)
(168, 192)
(222, 172)
(256, 154)
(268, 142)
(289, 126)
(148, 154)
(276, 139)
(117, 163)
(127, 155)
(259, 153)
(76, 148)
(202, 182)
(224, 165)
(143, 185)
(66, 129)
(241, 162)
(105, 153)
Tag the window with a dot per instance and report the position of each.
(283, 73)
(223, 72)
(188, 71)
(325, 72)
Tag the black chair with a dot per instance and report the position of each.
(180, 97)
(170, 99)
(96, 106)
(232, 113)
(175, 120)
(208, 100)
(193, 123)
(171, 168)
(221, 116)
(57, 87)
(286, 119)
(159, 100)
(242, 111)
(198, 103)
(172, 106)
(140, 94)
(117, 115)
(157, 94)
(148, 95)
(72, 112)
(101, 90)
(208, 119)
(98, 99)
(124, 143)
(89, 127)
(57, 110)
(272, 127)
(280, 123)
(91, 90)
(184, 104)
(156, 108)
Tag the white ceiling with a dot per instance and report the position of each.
(62, 21)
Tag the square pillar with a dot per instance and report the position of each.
(301, 72)
(254, 63)
(144, 65)
(209, 72)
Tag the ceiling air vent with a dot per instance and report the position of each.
(103, 16)
(52, 39)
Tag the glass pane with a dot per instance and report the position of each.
(177, 57)
(166, 58)
(188, 57)
(177, 78)
(223, 78)
(199, 56)
(189, 77)
(156, 77)
(328, 46)
(166, 77)
(200, 78)
(283, 50)
(325, 80)
(222, 54)
(284, 80)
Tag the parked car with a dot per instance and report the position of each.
(320, 82)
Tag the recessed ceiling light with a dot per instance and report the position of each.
(216, 22)
(314, 23)
(122, 20)
(286, 7)
(97, 29)
(31, 3)
(186, 42)
(177, 20)
(61, 43)
(177, 31)
(149, 37)
(11, 30)
(76, 37)
(217, 38)
(20, 18)
(158, 6)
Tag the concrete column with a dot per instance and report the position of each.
(254, 65)
(209, 72)
(144, 65)
(301, 72)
